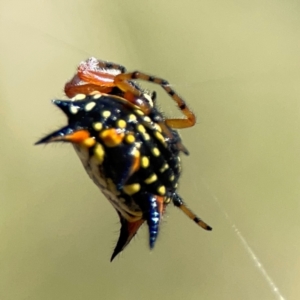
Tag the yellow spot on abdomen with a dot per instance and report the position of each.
(139, 112)
(90, 106)
(145, 162)
(96, 94)
(106, 113)
(147, 119)
(97, 126)
(141, 128)
(172, 177)
(130, 138)
(157, 127)
(132, 118)
(155, 151)
(151, 179)
(161, 190)
(160, 137)
(131, 189)
(146, 136)
(73, 109)
(79, 97)
(121, 124)
(164, 168)
(99, 153)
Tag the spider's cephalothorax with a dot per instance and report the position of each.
(127, 147)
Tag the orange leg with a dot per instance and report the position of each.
(181, 205)
(121, 81)
(86, 89)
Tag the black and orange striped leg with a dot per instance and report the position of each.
(122, 81)
(181, 205)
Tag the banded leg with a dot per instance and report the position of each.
(181, 205)
(102, 64)
(121, 81)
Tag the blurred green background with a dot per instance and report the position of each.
(237, 65)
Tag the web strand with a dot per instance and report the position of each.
(274, 288)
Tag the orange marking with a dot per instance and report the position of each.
(136, 161)
(111, 137)
(160, 204)
(96, 77)
(133, 228)
(78, 136)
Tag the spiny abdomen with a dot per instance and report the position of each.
(127, 155)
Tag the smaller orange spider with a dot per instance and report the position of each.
(110, 78)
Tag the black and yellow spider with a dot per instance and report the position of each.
(128, 148)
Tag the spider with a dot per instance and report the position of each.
(97, 75)
(107, 77)
(128, 148)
